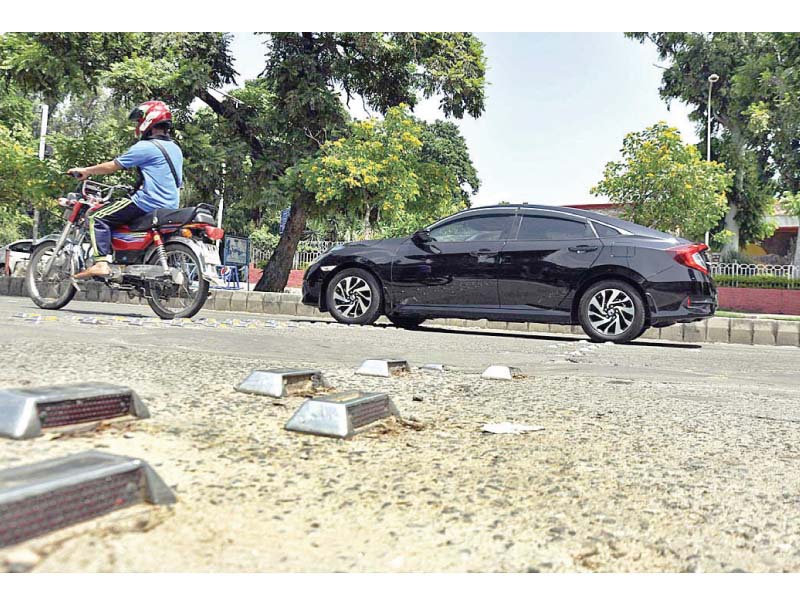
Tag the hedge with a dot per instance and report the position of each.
(757, 281)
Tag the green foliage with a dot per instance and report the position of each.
(791, 203)
(721, 239)
(14, 224)
(269, 125)
(737, 256)
(381, 172)
(757, 281)
(755, 109)
(665, 184)
(264, 238)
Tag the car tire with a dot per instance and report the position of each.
(612, 311)
(354, 297)
(406, 322)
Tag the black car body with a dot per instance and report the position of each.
(521, 263)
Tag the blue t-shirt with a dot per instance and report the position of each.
(159, 189)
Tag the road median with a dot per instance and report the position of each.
(748, 331)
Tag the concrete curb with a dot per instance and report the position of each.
(759, 332)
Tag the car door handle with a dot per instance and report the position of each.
(582, 248)
(484, 252)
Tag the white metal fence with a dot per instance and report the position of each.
(307, 253)
(789, 272)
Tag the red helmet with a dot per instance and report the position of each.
(150, 113)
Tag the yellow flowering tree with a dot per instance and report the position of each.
(385, 174)
(661, 182)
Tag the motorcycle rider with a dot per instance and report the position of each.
(160, 163)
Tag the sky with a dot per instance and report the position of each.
(557, 108)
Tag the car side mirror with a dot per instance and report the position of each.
(423, 236)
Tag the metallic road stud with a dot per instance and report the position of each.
(383, 367)
(283, 382)
(341, 415)
(501, 372)
(24, 412)
(39, 498)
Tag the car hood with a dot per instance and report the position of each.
(387, 244)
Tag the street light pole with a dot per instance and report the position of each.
(42, 142)
(712, 79)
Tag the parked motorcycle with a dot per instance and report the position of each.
(166, 256)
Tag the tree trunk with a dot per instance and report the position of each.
(276, 273)
(796, 261)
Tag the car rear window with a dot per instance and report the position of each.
(20, 247)
(605, 231)
(549, 228)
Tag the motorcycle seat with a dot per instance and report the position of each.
(167, 216)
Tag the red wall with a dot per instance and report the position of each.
(295, 277)
(776, 302)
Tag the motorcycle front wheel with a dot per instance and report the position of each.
(191, 294)
(53, 290)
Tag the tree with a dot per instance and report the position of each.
(306, 70)
(745, 62)
(665, 184)
(396, 174)
(791, 203)
(285, 116)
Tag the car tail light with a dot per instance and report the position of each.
(214, 233)
(690, 255)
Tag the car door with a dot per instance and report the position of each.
(545, 260)
(458, 267)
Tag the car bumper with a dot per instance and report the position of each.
(312, 286)
(682, 302)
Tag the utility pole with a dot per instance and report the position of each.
(42, 140)
(221, 201)
(712, 79)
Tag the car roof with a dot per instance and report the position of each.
(628, 226)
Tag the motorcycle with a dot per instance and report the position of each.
(166, 256)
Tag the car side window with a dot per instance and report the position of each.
(475, 228)
(605, 231)
(551, 228)
(20, 247)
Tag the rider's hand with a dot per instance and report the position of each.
(79, 173)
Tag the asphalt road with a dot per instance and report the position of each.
(654, 456)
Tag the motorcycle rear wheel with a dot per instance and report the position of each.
(192, 294)
(55, 292)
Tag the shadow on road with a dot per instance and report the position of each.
(553, 338)
(104, 313)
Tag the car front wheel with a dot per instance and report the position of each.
(354, 297)
(612, 311)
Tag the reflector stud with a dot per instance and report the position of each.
(341, 415)
(42, 497)
(283, 382)
(24, 412)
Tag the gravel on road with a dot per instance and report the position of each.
(652, 456)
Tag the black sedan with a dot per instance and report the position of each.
(520, 263)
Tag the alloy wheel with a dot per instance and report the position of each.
(352, 297)
(611, 311)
